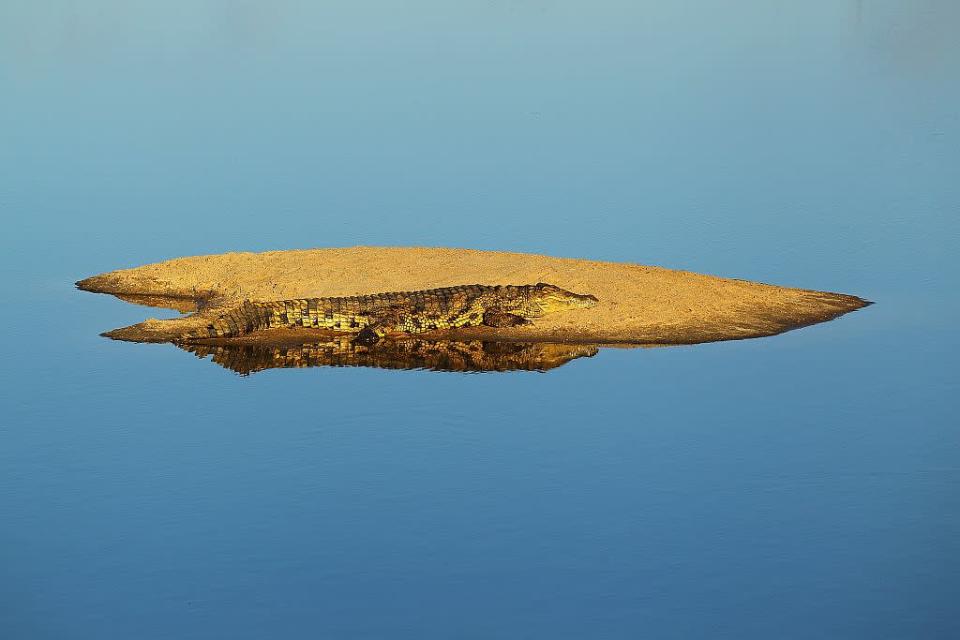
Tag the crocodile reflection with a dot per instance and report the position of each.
(434, 355)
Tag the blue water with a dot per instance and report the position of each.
(801, 486)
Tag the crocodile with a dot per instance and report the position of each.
(384, 315)
(410, 353)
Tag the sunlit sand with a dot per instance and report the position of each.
(637, 304)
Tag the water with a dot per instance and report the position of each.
(799, 486)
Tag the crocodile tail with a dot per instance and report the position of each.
(249, 317)
(237, 321)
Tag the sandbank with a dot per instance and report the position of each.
(638, 304)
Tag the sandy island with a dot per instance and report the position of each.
(638, 304)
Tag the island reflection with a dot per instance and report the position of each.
(433, 355)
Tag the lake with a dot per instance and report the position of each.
(805, 485)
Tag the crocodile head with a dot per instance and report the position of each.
(542, 298)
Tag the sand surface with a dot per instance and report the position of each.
(638, 304)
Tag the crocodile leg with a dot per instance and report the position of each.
(370, 334)
(493, 318)
(388, 321)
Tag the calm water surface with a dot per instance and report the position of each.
(802, 486)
